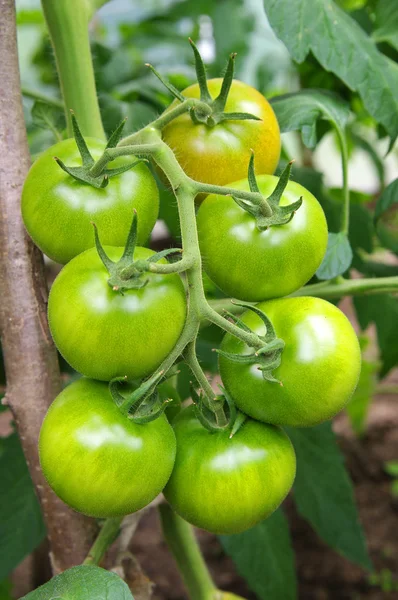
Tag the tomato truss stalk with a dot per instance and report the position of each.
(148, 143)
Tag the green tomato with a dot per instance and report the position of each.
(58, 211)
(221, 154)
(105, 334)
(320, 367)
(255, 265)
(97, 460)
(226, 485)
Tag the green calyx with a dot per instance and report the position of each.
(217, 413)
(82, 173)
(267, 212)
(210, 112)
(127, 273)
(143, 404)
(268, 357)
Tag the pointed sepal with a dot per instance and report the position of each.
(114, 384)
(207, 409)
(83, 173)
(238, 116)
(221, 100)
(267, 211)
(144, 403)
(240, 419)
(163, 254)
(87, 159)
(266, 357)
(173, 90)
(127, 273)
(201, 74)
(116, 135)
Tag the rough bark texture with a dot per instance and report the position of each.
(30, 359)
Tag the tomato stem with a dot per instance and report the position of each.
(351, 287)
(251, 339)
(192, 361)
(147, 142)
(187, 105)
(67, 23)
(345, 219)
(183, 545)
(326, 289)
(216, 406)
(109, 532)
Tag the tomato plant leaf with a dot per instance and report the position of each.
(386, 216)
(338, 256)
(22, 527)
(301, 110)
(383, 311)
(386, 23)
(6, 590)
(358, 406)
(83, 583)
(264, 557)
(361, 230)
(323, 492)
(341, 46)
(49, 117)
(387, 198)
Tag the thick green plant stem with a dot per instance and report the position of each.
(351, 287)
(94, 5)
(189, 333)
(181, 540)
(326, 289)
(192, 361)
(67, 22)
(345, 218)
(147, 143)
(107, 535)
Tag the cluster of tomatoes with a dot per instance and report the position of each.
(102, 462)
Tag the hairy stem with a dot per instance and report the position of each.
(31, 363)
(181, 540)
(192, 361)
(345, 219)
(107, 535)
(253, 197)
(351, 287)
(172, 114)
(67, 22)
(112, 153)
(35, 95)
(251, 339)
(216, 406)
(326, 289)
(188, 334)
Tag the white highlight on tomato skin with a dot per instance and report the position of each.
(236, 457)
(316, 338)
(95, 434)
